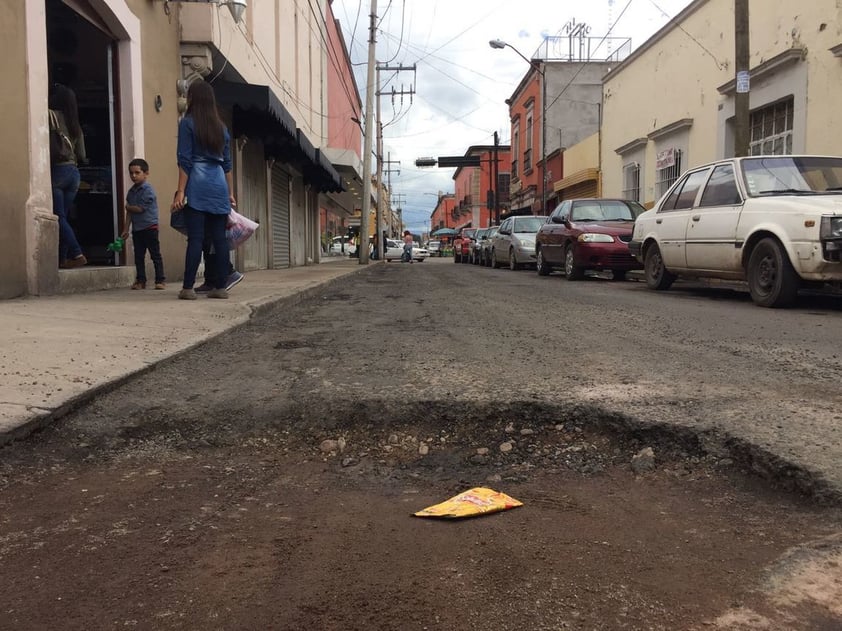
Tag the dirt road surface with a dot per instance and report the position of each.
(267, 480)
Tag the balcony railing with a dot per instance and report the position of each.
(579, 48)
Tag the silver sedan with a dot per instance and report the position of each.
(514, 243)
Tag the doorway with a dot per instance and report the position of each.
(81, 54)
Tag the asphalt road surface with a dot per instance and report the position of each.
(268, 478)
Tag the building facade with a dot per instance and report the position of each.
(795, 86)
(477, 189)
(130, 63)
(556, 105)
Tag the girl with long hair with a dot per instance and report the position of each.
(65, 155)
(205, 185)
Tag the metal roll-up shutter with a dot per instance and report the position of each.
(280, 218)
(588, 188)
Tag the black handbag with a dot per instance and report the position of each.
(178, 221)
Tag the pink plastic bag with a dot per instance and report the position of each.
(239, 229)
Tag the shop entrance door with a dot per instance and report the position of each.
(81, 54)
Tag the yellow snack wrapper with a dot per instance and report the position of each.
(476, 501)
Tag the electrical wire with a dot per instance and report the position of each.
(719, 64)
(403, 24)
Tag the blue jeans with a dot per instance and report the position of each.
(65, 186)
(197, 222)
(210, 263)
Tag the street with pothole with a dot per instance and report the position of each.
(676, 455)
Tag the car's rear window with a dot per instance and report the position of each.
(527, 224)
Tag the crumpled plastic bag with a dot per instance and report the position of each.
(239, 229)
(470, 503)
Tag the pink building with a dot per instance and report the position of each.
(344, 135)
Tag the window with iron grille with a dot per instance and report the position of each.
(631, 181)
(504, 183)
(515, 147)
(771, 129)
(669, 172)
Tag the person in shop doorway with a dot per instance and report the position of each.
(67, 151)
(205, 186)
(142, 214)
(407, 247)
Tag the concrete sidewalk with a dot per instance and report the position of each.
(59, 351)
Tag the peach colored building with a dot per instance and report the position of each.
(442, 215)
(556, 105)
(474, 187)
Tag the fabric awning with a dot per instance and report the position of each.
(258, 113)
(331, 181)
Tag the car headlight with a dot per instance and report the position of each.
(593, 237)
(831, 228)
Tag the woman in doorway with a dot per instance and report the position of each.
(67, 150)
(205, 185)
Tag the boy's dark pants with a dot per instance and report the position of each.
(147, 240)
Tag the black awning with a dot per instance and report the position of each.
(331, 180)
(260, 102)
(306, 146)
(257, 113)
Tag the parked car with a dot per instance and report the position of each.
(485, 247)
(419, 253)
(394, 251)
(773, 221)
(588, 234)
(479, 237)
(434, 247)
(342, 245)
(462, 245)
(514, 242)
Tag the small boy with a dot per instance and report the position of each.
(142, 214)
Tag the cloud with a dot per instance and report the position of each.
(461, 83)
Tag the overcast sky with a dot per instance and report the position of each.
(461, 83)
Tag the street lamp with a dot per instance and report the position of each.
(499, 44)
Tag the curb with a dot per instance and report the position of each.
(40, 421)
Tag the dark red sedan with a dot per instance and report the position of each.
(588, 234)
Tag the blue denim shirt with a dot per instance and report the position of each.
(143, 195)
(207, 190)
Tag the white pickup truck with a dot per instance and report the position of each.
(772, 221)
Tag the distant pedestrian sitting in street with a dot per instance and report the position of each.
(407, 247)
(205, 186)
(142, 215)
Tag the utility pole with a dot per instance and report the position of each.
(378, 232)
(362, 249)
(496, 175)
(541, 68)
(742, 64)
(394, 93)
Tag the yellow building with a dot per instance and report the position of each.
(670, 105)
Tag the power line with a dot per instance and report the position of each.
(720, 65)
